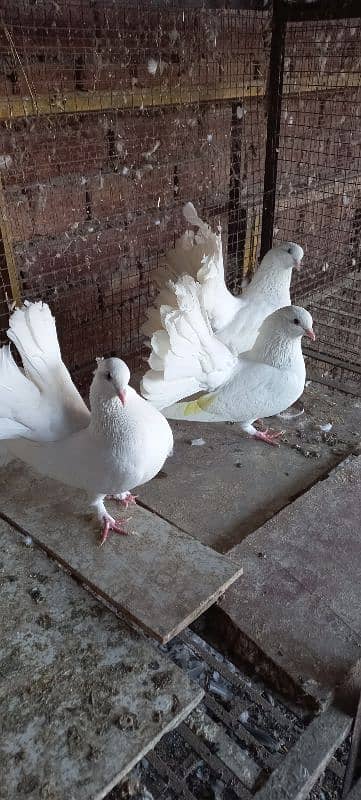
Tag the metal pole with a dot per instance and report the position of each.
(237, 215)
(274, 104)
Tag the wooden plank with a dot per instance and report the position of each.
(221, 492)
(308, 758)
(300, 598)
(82, 697)
(161, 578)
(318, 540)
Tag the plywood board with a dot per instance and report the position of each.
(300, 599)
(82, 697)
(160, 578)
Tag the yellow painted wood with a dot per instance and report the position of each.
(82, 102)
(251, 244)
(256, 232)
(8, 249)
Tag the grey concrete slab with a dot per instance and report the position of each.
(82, 697)
(222, 490)
(300, 596)
(307, 760)
(161, 578)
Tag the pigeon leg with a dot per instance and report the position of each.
(110, 524)
(268, 436)
(107, 522)
(124, 498)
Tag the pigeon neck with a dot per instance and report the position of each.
(274, 282)
(277, 350)
(108, 416)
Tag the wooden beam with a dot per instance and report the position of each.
(307, 760)
(134, 99)
(8, 249)
(12, 107)
(274, 107)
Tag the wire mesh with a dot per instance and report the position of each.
(113, 115)
(319, 183)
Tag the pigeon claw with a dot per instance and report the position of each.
(110, 524)
(125, 499)
(129, 499)
(270, 437)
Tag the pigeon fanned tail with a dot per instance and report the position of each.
(39, 402)
(186, 356)
(198, 255)
(19, 398)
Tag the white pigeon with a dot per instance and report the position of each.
(185, 357)
(268, 378)
(236, 320)
(121, 443)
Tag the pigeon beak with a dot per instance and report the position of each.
(122, 396)
(310, 334)
(298, 265)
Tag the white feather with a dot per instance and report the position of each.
(42, 402)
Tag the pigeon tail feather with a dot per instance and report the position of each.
(18, 396)
(32, 329)
(198, 255)
(186, 356)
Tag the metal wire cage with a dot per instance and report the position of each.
(113, 115)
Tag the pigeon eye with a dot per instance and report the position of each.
(109, 376)
(296, 321)
(289, 250)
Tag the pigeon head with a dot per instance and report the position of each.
(294, 321)
(287, 255)
(111, 379)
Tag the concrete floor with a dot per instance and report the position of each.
(221, 491)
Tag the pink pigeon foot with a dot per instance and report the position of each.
(270, 437)
(129, 500)
(125, 499)
(110, 524)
